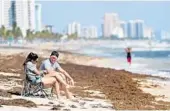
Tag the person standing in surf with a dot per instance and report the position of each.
(129, 57)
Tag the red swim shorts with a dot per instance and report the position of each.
(129, 59)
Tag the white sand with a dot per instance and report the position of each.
(87, 104)
(79, 103)
(156, 87)
(163, 88)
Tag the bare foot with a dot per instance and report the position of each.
(69, 95)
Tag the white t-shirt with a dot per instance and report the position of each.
(46, 64)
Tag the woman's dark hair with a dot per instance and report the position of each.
(31, 56)
(55, 53)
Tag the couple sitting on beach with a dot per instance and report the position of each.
(50, 73)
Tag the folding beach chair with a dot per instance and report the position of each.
(35, 89)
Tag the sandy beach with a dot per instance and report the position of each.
(96, 87)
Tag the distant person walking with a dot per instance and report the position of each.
(129, 57)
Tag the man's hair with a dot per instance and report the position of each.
(55, 53)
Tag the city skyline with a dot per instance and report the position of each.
(92, 13)
(30, 15)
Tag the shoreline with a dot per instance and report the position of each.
(81, 64)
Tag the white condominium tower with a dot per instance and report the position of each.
(38, 26)
(73, 28)
(25, 14)
(89, 32)
(5, 11)
(111, 22)
(21, 12)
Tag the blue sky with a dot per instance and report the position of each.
(60, 13)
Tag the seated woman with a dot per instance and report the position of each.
(35, 76)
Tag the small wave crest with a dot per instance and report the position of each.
(160, 73)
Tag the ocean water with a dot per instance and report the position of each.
(146, 59)
(120, 52)
(149, 60)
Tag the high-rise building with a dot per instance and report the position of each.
(31, 14)
(5, 12)
(25, 14)
(118, 32)
(131, 29)
(89, 32)
(157, 34)
(21, 12)
(135, 29)
(139, 29)
(69, 29)
(73, 28)
(123, 25)
(85, 32)
(12, 13)
(49, 28)
(148, 32)
(93, 32)
(1, 12)
(165, 35)
(102, 30)
(22, 19)
(38, 26)
(111, 22)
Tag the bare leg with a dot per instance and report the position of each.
(51, 81)
(68, 94)
(59, 78)
(48, 81)
(63, 86)
(65, 89)
(57, 88)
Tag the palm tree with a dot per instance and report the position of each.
(18, 32)
(30, 35)
(14, 27)
(58, 36)
(45, 34)
(9, 33)
(73, 36)
(37, 34)
(3, 32)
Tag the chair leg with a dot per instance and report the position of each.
(43, 91)
(28, 90)
(44, 94)
(36, 89)
(23, 89)
(39, 88)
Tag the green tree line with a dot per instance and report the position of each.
(14, 32)
(31, 35)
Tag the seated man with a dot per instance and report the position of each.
(51, 66)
